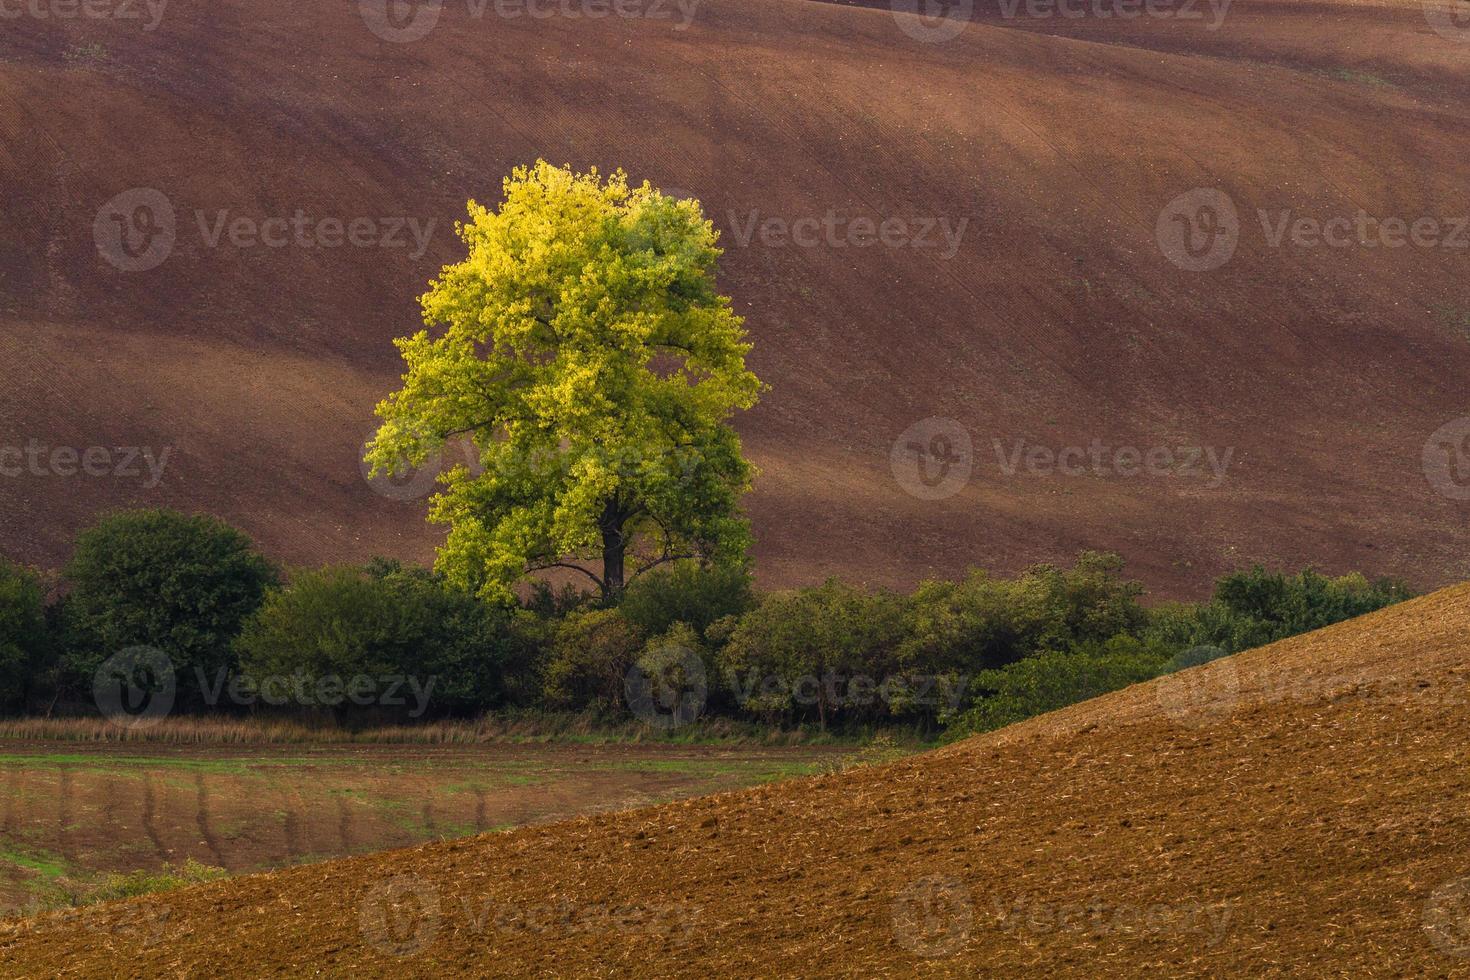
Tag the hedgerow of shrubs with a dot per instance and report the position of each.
(967, 655)
(385, 623)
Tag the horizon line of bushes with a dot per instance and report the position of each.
(959, 656)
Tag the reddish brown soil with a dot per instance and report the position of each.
(1295, 810)
(1057, 321)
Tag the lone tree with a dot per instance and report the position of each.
(586, 354)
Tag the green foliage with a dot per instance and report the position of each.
(587, 354)
(386, 622)
(158, 578)
(687, 592)
(166, 879)
(25, 639)
(986, 622)
(796, 650)
(676, 675)
(588, 663)
(546, 602)
(1254, 607)
(1054, 679)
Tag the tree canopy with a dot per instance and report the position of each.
(581, 345)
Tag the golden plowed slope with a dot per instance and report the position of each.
(1055, 318)
(1295, 809)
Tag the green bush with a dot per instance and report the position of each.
(686, 592)
(587, 665)
(1254, 607)
(158, 578)
(1054, 679)
(797, 652)
(25, 639)
(986, 622)
(546, 602)
(455, 653)
(674, 679)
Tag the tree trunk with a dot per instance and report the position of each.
(614, 548)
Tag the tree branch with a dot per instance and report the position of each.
(666, 557)
(564, 564)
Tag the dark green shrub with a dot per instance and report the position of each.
(422, 645)
(25, 639)
(686, 592)
(1254, 607)
(1054, 679)
(158, 578)
(546, 602)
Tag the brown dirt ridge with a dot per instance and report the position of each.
(1055, 321)
(1296, 809)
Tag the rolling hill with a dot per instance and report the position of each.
(1031, 170)
(1293, 809)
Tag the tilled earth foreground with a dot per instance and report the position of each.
(1296, 809)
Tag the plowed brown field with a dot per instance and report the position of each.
(1295, 810)
(1054, 320)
